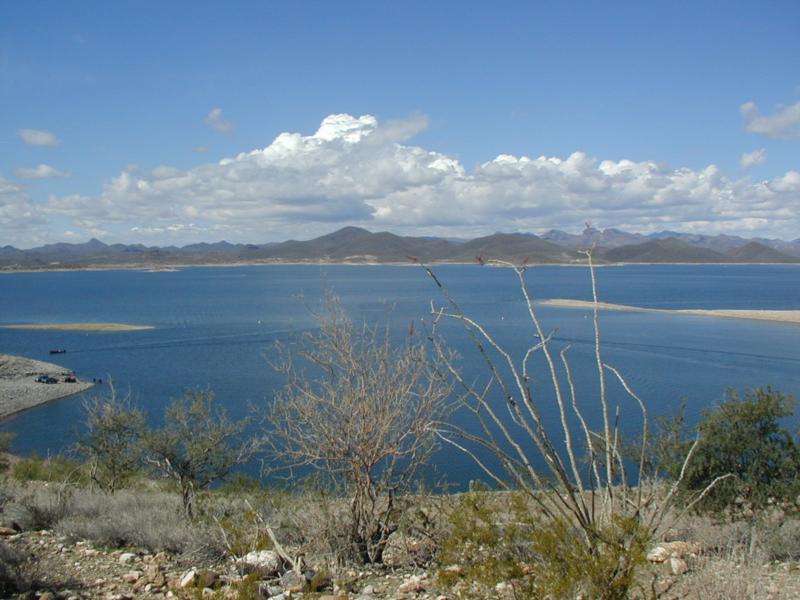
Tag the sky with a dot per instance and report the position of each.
(178, 122)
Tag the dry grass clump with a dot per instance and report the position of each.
(151, 520)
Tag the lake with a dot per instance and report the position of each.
(215, 327)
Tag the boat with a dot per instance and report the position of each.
(58, 351)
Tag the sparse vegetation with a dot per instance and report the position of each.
(112, 443)
(361, 412)
(197, 445)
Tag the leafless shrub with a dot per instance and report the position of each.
(360, 411)
(586, 498)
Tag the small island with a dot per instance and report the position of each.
(25, 383)
(102, 327)
(778, 316)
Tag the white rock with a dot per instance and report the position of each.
(126, 557)
(677, 566)
(266, 562)
(658, 554)
(188, 578)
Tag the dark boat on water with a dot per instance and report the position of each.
(58, 351)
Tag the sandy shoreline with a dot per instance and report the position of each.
(19, 389)
(778, 316)
(106, 327)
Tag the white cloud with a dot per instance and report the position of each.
(751, 159)
(21, 220)
(217, 122)
(783, 123)
(355, 170)
(41, 171)
(38, 137)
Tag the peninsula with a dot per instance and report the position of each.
(23, 383)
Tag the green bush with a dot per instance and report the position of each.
(742, 437)
(56, 468)
(501, 538)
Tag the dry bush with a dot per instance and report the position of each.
(12, 578)
(729, 579)
(149, 520)
(361, 412)
(35, 506)
(146, 519)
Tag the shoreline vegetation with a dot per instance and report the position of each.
(20, 391)
(777, 316)
(98, 327)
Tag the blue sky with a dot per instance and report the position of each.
(157, 122)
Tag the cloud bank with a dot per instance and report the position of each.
(355, 170)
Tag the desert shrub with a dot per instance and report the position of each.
(594, 509)
(111, 443)
(742, 437)
(499, 538)
(5, 444)
(56, 468)
(37, 506)
(12, 578)
(360, 411)
(487, 542)
(198, 444)
(148, 520)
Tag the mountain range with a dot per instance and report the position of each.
(353, 244)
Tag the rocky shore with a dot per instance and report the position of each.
(19, 388)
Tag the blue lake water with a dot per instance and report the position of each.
(215, 328)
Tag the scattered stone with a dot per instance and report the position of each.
(368, 590)
(126, 557)
(677, 566)
(7, 531)
(264, 562)
(132, 576)
(206, 579)
(454, 570)
(188, 579)
(665, 550)
(292, 581)
(658, 554)
(413, 584)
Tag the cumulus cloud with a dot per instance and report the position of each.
(40, 171)
(38, 137)
(751, 159)
(355, 170)
(784, 123)
(216, 121)
(20, 218)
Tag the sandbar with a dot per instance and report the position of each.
(106, 327)
(778, 316)
(19, 389)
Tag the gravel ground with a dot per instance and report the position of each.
(20, 390)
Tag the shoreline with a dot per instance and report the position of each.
(791, 317)
(20, 391)
(171, 268)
